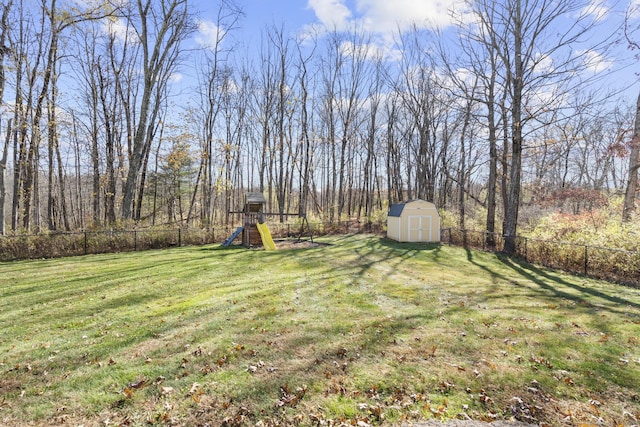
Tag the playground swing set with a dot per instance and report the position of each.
(254, 229)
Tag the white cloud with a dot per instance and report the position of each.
(369, 50)
(388, 16)
(208, 33)
(176, 77)
(596, 9)
(544, 99)
(595, 62)
(634, 9)
(385, 17)
(118, 28)
(464, 75)
(333, 14)
(543, 64)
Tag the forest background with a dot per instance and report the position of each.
(513, 114)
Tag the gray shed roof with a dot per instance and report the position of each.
(396, 209)
(255, 198)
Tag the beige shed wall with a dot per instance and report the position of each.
(393, 227)
(419, 222)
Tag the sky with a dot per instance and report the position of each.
(384, 18)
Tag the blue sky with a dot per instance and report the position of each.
(383, 19)
(615, 67)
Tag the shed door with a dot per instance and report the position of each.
(419, 229)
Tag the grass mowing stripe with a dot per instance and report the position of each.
(360, 328)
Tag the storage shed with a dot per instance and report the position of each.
(413, 221)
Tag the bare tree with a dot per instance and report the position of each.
(634, 158)
(634, 166)
(4, 27)
(374, 96)
(480, 56)
(354, 57)
(305, 165)
(330, 65)
(419, 89)
(3, 167)
(161, 27)
(526, 35)
(36, 58)
(210, 76)
(281, 64)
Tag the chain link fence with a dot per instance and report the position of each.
(615, 265)
(55, 245)
(611, 264)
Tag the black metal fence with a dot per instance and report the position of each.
(616, 265)
(55, 245)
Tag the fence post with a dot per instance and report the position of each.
(179, 237)
(135, 240)
(525, 249)
(586, 259)
(85, 242)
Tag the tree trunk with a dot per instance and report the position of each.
(5, 150)
(634, 165)
(171, 26)
(493, 176)
(51, 209)
(462, 173)
(3, 167)
(513, 195)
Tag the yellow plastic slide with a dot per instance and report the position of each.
(265, 234)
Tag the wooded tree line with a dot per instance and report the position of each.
(97, 132)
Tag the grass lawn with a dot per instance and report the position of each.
(358, 330)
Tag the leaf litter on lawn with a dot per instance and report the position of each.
(360, 331)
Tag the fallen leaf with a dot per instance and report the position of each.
(288, 398)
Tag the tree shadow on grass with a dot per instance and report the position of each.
(399, 253)
(552, 284)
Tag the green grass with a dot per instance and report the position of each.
(359, 329)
